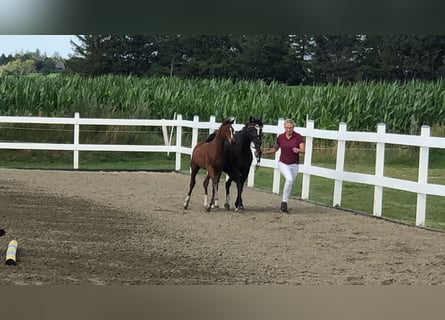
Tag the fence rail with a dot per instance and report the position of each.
(424, 141)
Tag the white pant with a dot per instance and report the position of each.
(289, 172)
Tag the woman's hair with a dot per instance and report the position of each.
(290, 121)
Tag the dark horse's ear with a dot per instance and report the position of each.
(254, 119)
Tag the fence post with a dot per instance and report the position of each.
(276, 171)
(212, 124)
(339, 166)
(165, 135)
(167, 140)
(423, 178)
(178, 142)
(379, 168)
(171, 133)
(307, 159)
(195, 131)
(76, 141)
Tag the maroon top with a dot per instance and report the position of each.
(287, 155)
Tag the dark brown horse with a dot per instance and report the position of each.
(210, 156)
(238, 157)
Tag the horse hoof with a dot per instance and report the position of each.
(207, 209)
(236, 209)
(227, 206)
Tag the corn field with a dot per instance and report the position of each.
(403, 107)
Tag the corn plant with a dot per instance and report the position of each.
(362, 105)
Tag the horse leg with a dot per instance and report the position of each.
(239, 186)
(214, 191)
(239, 200)
(194, 171)
(227, 203)
(215, 196)
(207, 203)
(205, 185)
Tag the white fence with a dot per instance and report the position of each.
(422, 188)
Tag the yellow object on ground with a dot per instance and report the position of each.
(11, 253)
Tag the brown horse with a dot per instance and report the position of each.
(210, 156)
(238, 157)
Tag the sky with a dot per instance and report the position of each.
(49, 44)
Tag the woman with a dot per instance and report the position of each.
(291, 144)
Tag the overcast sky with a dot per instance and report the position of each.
(49, 44)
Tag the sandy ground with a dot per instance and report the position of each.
(130, 228)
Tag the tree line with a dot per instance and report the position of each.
(289, 59)
(26, 63)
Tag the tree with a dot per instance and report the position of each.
(121, 54)
(45, 65)
(18, 67)
(291, 59)
(335, 58)
(206, 56)
(5, 59)
(403, 57)
(300, 54)
(89, 56)
(270, 58)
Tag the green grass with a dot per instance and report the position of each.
(42, 159)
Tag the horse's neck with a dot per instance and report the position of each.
(244, 139)
(219, 141)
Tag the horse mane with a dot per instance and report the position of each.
(211, 136)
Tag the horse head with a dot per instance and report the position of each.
(226, 130)
(255, 128)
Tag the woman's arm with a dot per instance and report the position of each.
(270, 150)
(300, 148)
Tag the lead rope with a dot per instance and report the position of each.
(258, 159)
